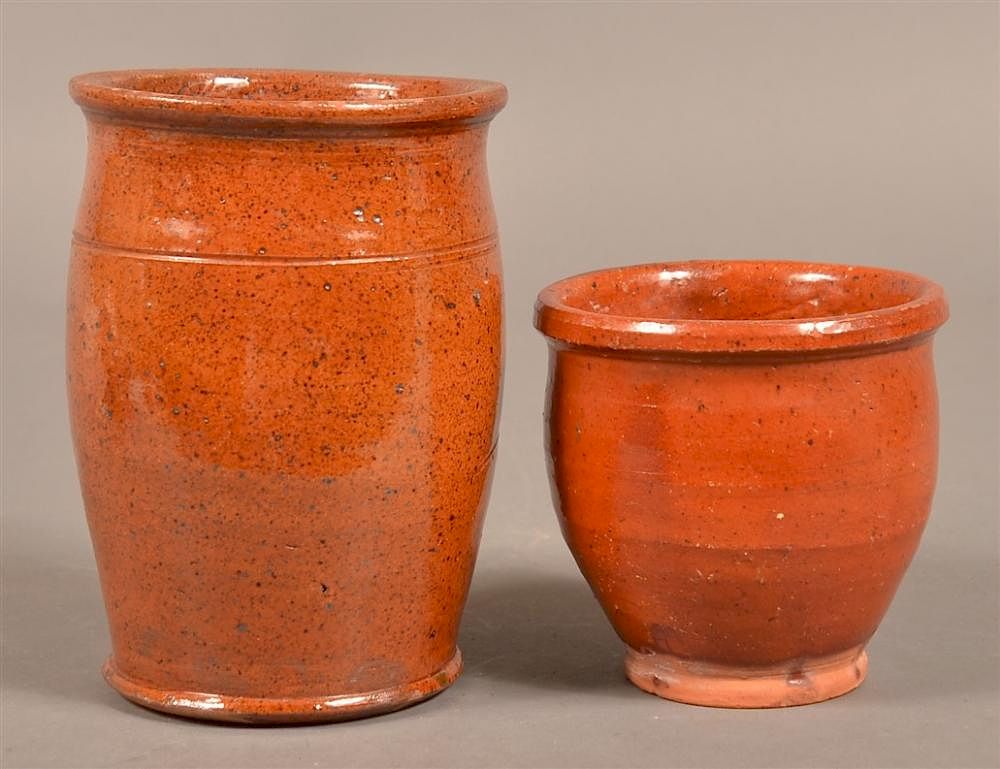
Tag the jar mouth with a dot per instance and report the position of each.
(739, 307)
(272, 98)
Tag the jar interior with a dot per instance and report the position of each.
(290, 86)
(739, 291)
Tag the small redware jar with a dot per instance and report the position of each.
(284, 356)
(743, 456)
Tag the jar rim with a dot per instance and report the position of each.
(278, 99)
(775, 306)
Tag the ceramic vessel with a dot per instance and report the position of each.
(284, 358)
(742, 456)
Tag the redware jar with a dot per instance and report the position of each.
(743, 456)
(284, 359)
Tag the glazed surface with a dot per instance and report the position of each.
(266, 710)
(284, 359)
(287, 102)
(739, 306)
(747, 511)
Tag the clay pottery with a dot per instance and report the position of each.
(284, 358)
(742, 457)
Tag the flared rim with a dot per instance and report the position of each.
(737, 307)
(277, 98)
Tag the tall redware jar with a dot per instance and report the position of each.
(284, 360)
(743, 456)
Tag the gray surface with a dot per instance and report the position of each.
(852, 132)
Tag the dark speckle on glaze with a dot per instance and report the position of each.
(284, 434)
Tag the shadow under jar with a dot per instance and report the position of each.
(284, 358)
(743, 456)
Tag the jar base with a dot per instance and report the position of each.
(283, 710)
(799, 682)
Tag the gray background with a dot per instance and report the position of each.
(843, 132)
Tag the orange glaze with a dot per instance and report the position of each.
(284, 349)
(743, 456)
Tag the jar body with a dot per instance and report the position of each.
(284, 358)
(744, 520)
